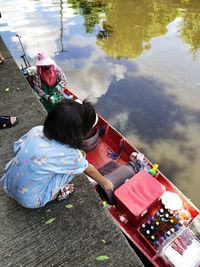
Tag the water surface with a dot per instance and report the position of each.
(139, 60)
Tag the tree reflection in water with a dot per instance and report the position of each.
(127, 27)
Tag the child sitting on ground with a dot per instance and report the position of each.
(47, 158)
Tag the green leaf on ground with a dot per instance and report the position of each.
(102, 258)
(69, 206)
(48, 210)
(49, 221)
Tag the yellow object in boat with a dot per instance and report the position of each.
(153, 169)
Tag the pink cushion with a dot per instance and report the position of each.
(139, 192)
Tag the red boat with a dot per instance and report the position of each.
(152, 213)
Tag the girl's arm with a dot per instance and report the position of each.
(95, 175)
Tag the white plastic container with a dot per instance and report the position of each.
(183, 256)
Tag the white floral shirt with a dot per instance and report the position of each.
(40, 168)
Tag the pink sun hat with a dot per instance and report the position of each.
(44, 59)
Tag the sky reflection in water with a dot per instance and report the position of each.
(139, 60)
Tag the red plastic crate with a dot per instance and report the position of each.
(137, 195)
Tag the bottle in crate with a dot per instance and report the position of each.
(162, 240)
(152, 229)
(157, 225)
(152, 238)
(172, 230)
(171, 214)
(162, 212)
(157, 215)
(162, 220)
(153, 219)
(166, 216)
(168, 234)
(156, 244)
(176, 227)
(171, 223)
(148, 224)
(143, 228)
(147, 233)
(181, 223)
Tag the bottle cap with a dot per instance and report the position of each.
(172, 230)
(157, 214)
(176, 227)
(148, 232)
(162, 220)
(161, 210)
(171, 212)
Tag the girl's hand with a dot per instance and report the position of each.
(95, 175)
(107, 185)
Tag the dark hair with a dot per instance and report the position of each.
(68, 122)
(88, 115)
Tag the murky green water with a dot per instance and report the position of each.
(139, 60)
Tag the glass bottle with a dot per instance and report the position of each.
(157, 215)
(143, 228)
(161, 212)
(157, 225)
(166, 216)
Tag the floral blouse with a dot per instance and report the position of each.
(40, 168)
(60, 75)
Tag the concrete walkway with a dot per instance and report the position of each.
(54, 235)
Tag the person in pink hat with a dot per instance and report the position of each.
(49, 81)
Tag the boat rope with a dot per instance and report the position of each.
(111, 154)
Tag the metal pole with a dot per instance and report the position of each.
(24, 55)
